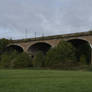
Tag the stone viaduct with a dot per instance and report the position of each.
(33, 45)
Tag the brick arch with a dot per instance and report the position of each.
(83, 47)
(16, 47)
(39, 46)
(80, 38)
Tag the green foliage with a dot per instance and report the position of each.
(83, 60)
(83, 51)
(15, 60)
(22, 60)
(63, 53)
(38, 60)
(89, 68)
(3, 44)
(6, 59)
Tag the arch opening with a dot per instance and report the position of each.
(12, 48)
(83, 50)
(39, 47)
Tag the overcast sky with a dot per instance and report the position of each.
(48, 17)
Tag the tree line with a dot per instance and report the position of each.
(63, 56)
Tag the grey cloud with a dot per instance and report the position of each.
(50, 17)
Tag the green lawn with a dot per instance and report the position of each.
(45, 81)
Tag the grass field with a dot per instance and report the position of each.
(45, 81)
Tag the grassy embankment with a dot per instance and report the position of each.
(45, 81)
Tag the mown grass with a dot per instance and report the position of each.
(45, 81)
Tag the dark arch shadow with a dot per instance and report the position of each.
(40, 46)
(83, 48)
(12, 48)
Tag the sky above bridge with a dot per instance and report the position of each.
(27, 18)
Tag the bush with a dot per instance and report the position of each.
(83, 60)
(6, 59)
(38, 60)
(15, 60)
(89, 68)
(63, 53)
(3, 44)
(22, 60)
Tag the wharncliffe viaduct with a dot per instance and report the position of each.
(33, 45)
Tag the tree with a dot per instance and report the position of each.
(22, 60)
(38, 60)
(6, 59)
(83, 60)
(15, 60)
(3, 43)
(63, 53)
